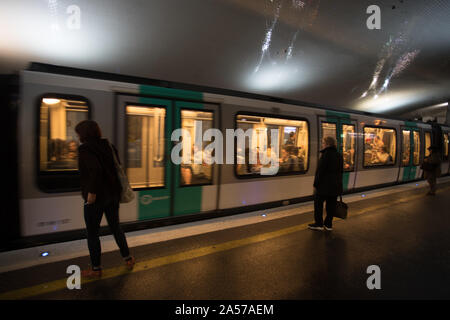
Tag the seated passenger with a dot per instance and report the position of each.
(368, 154)
(383, 156)
(378, 143)
(347, 160)
(186, 174)
(291, 140)
(286, 162)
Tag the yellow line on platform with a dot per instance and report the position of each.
(183, 256)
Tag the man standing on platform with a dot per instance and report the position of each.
(327, 184)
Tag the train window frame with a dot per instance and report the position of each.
(213, 167)
(394, 163)
(55, 181)
(277, 116)
(165, 160)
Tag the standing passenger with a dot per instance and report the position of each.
(327, 184)
(101, 189)
(432, 168)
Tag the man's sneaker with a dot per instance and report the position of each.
(130, 263)
(91, 273)
(328, 228)
(315, 226)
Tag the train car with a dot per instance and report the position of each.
(139, 116)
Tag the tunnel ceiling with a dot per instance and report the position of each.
(320, 52)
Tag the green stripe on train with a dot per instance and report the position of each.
(156, 203)
(409, 172)
(188, 199)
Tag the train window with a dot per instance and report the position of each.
(379, 146)
(416, 154)
(293, 143)
(446, 146)
(427, 143)
(328, 130)
(198, 171)
(58, 142)
(406, 147)
(348, 146)
(145, 146)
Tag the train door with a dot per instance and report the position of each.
(143, 134)
(410, 161)
(144, 139)
(344, 131)
(195, 180)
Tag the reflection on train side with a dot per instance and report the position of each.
(427, 143)
(198, 171)
(58, 142)
(145, 146)
(379, 146)
(293, 143)
(446, 142)
(416, 152)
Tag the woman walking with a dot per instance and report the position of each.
(431, 167)
(101, 189)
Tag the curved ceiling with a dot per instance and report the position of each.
(310, 50)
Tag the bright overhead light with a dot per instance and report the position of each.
(51, 101)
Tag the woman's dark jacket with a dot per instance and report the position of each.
(328, 179)
(98, 173)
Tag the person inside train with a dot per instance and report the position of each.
(291, 139)
(378, 144)
(348, 160)
(286, 161)
(327, 184)
(101, 190)
(299, 160)
(383, 156)
(368, 154)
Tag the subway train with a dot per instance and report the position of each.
(138, 115)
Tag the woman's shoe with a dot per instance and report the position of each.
(91, 273)
(130, 263)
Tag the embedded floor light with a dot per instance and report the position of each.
(44, 254)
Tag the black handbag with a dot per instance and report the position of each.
(341, 209)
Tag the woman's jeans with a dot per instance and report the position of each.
(93, 214)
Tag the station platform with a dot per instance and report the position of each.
(269, 254)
